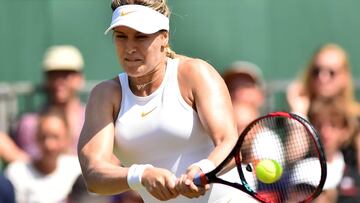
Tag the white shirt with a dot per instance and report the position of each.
(335, 171)
(33, 187)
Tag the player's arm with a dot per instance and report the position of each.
(213, 105)
(208, 94)
(95, 149)
(96, 141)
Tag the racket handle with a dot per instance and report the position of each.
(200, 179)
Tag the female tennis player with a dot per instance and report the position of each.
(166, 118)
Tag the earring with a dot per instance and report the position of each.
(164, 47)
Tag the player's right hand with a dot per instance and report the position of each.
(160, 183)
(186, 186)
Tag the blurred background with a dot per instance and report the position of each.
(279, 36)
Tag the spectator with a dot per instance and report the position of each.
(48, 178)
(328, 77)
(247, 91)
(246, 86)
(7, 194)
(9, 152)
(62, 68)
(335, 127)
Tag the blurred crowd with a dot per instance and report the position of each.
(38, 161)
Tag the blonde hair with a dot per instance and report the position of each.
(158, 5)
(347, 94)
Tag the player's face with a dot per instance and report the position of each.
(63, 85)
(52, 136)
(328, 74)
(139, 53)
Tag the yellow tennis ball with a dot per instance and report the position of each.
(268, 171)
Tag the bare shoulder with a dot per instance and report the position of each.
(195, 68)
(192, 64)
(106, 93)
(107, 89)
(195, 76)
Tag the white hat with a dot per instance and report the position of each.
(244, 68)
(63, 57)
(141, 18)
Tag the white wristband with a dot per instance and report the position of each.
(134, 175)
(205, 165)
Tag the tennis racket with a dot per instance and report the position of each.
(289, 140)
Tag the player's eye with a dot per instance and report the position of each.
(120, 36)
(141, 37)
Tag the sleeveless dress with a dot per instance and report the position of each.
(162, 130)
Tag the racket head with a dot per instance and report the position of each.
(287, 139)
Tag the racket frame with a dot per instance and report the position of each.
(211, 177)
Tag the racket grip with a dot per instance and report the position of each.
(200, 179)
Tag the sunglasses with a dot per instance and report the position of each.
(317, 70)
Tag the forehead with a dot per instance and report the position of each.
(125, 29)
(60, 73)
(131, 32)
(52, 123)
(240, 80)
(330, 57)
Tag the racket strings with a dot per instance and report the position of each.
(289, 143)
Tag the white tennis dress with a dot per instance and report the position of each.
(163, 130)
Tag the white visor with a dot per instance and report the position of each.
(140, 18)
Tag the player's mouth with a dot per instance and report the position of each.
(132, 59)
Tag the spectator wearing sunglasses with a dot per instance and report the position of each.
(328, 78)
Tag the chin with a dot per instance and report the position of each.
(60, 100)
(324, 94)
(132, 64)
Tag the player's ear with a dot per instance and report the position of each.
(165, 38)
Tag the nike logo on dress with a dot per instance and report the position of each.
(143, 114)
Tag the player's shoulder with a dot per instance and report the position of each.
(107, 86)
(190, 62)
(194, 66)
(107, 89)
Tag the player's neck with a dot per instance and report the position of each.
(141, 87)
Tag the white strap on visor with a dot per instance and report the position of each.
(140, 18)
